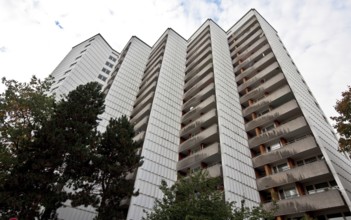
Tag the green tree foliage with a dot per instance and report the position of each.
(112, 161)
(24, 109)
(51, 151)
(197, 197)
(343, 121)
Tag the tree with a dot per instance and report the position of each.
(115, 157)
(343, 121)
(197, 197)
(24, 108)
(44, 145)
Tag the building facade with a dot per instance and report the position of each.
(90, 61)
(233, 103)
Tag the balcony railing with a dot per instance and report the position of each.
(305, 172)
(202, 95)
(215, 170)
(298, 147)
(249, 72)
(291, 128)
(270, 85)
(196, 125)
(330, 199)
(266, 101)
(240, 32)
(246, 42)
(204, 106)
(141, 114)
(208, 135)
(246, 53)
(258, 77)
(252, 57)
(287, 109)
(204, 73)
(205, 155)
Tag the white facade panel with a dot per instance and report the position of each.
(238, 174)
(160, 148)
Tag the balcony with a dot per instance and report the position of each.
(265, 73)
(208, 135)
(270, 85)
(142, 103)
(154, 63)
(200, 59)
(256, 55)
(204, 73)
(305, 172)
(289, 129)
(278, 97)
(247, 52)
(199, 85)
(205, 33)
(201, 95)
(151, 72)
(330, 199)
(206, 155)
(146, 91)
(288, 109)
(243, 28)
(247, 42)
(146, 83)
(145, 111)
(193, 55)
(215, 170)
(140, 136)
(261, 64)
(203, 107)
(247, 34)
(305, 146)
(195, 126)
(199, 66)
(141, 125)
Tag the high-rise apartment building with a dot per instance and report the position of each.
(91, 60)
(233, 103)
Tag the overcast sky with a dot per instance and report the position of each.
(35, 35)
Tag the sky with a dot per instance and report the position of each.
(35, 35)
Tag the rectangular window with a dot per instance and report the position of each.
(106, 70)
(73, 64)
(78, 57)
(112, 58)
(280, 168)
(288, 193)
(67, 72)
(91, 39)
(83, 51)
(109, 64)
(103, 78)
(87, 45)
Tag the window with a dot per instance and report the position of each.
(54, 88)
(103, 78)
(309, 160)
(106, 70)
(112, 58)
(109, 64)
(281, 168)
(73, 64)
(83, 51)
(67, 72)
(268, 128)
(78, 57)
(87, 45)
(321, 187)
(265, 111)
(288, 193)
(274, 146)
(91, 39)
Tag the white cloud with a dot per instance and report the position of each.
(316, 33)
